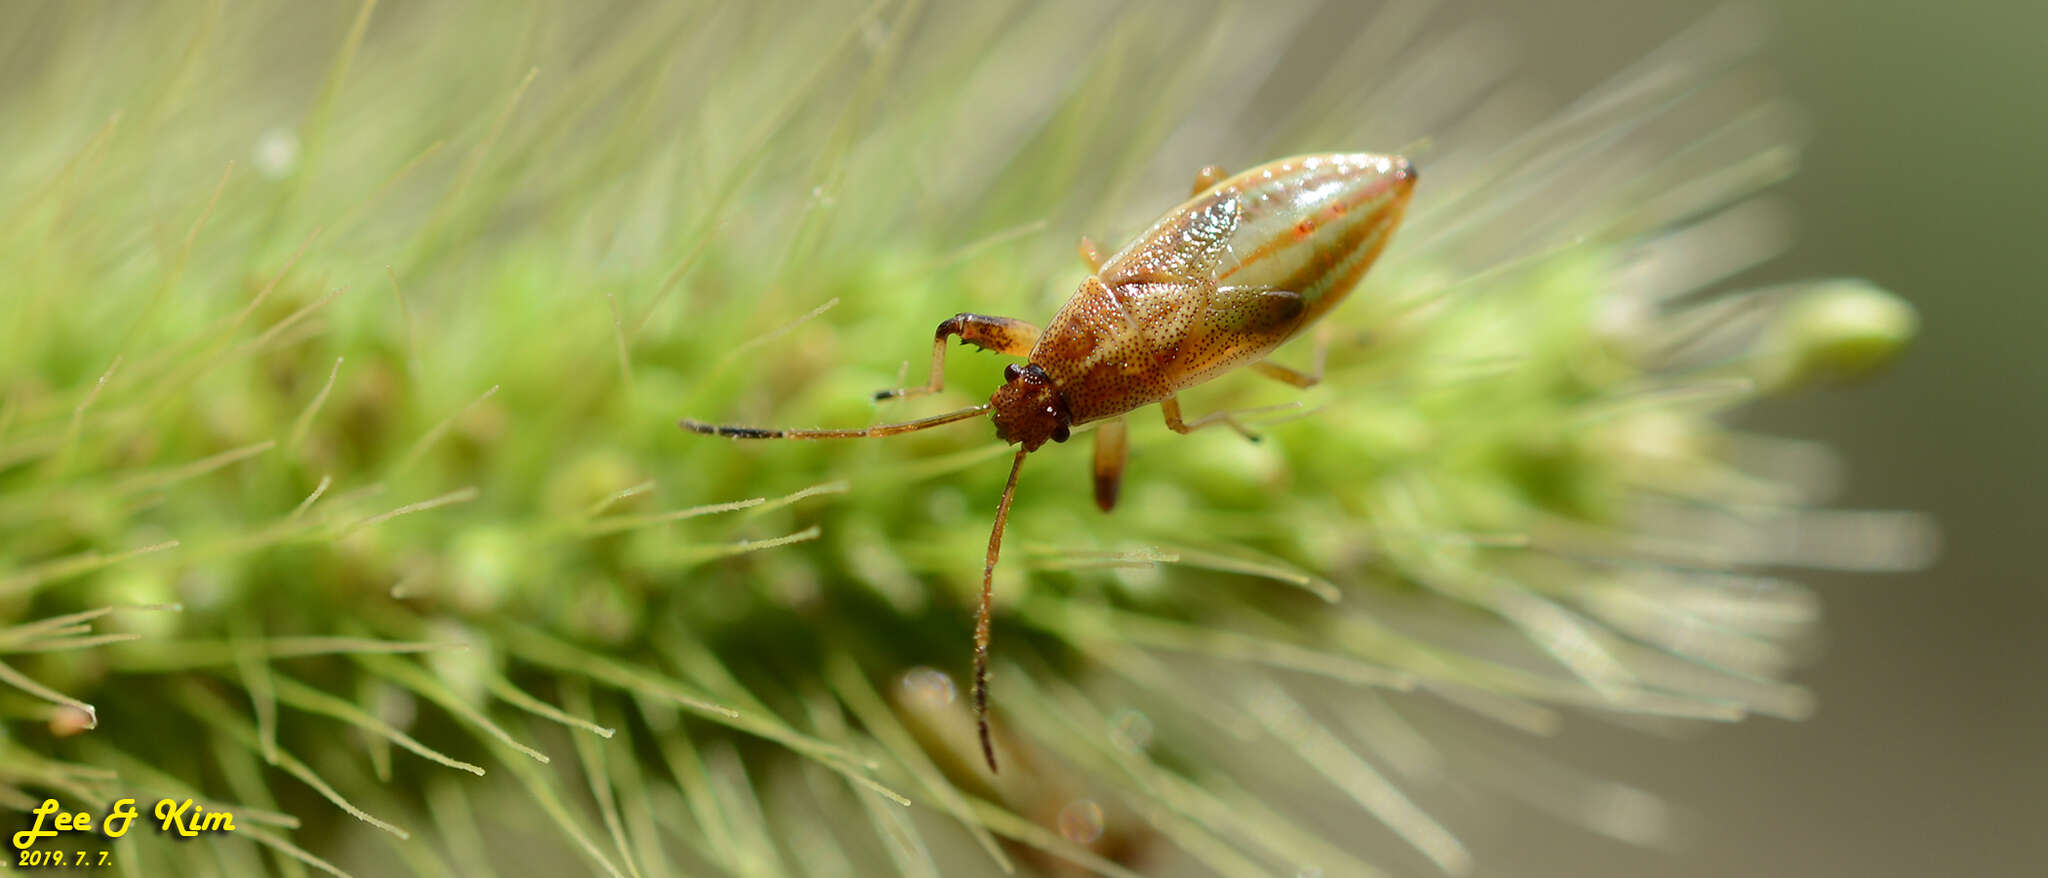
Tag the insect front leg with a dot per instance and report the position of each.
(1000, 334)
(1112, 445)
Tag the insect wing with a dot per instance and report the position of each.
(1187, 246)
(1313, 224)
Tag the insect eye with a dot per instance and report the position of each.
(1060, 434)
(1010, 372)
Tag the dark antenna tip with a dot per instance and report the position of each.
(988, 749)
(728, 430)
(733, 431)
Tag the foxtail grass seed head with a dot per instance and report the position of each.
(343, 348)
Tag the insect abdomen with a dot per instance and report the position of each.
(1312, 224)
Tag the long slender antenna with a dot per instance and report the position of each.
(877, 430)
(995, 537)
(988, 579)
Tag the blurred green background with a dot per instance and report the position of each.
(1924, 172)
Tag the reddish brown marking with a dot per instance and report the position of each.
(1273, 247)
(1324, 261)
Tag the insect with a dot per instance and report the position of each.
(1216, 283)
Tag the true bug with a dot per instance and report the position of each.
(1216, 283)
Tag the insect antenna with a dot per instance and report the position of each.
(862, 433)
(988, 577)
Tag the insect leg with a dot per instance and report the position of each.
(1277, 372)
(1171, 408)
(1090, 254)
(1207, 177)
(1000, 334)
(1303, 380)
(1111, 445)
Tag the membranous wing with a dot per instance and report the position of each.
(1311, 225)
(1184, 249)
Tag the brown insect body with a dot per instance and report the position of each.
(1215, 284)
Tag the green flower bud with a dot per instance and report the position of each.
(1835, 332)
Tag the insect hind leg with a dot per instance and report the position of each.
(1229, 417)
(1295, 377)
(1004, 335)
